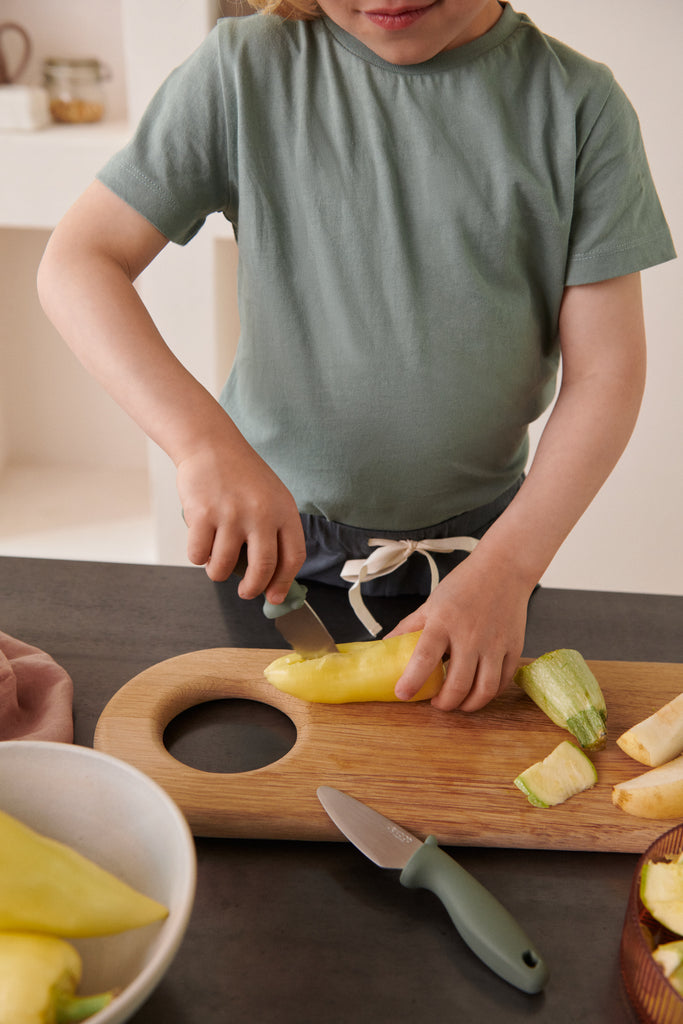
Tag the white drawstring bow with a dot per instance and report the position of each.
(387, 557)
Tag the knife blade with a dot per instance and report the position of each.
(484, 924)
(295, 619)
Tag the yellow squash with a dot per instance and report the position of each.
(45, 886)
(363, 671)
(39, 975)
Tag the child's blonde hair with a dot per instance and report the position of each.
(299, 10)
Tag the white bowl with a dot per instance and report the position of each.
(122, 820)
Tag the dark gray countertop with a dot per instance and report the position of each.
(292, 933)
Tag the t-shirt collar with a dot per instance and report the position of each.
(504, 27)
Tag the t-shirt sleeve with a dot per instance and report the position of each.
(618, 226)
(174, 171)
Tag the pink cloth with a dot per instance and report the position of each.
(36, 694)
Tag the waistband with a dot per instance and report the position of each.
(330, 545)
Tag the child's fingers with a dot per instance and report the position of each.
(200, 542)
(423, 661)
(262, 559)
(274, 558)
(490, 683)
(222, 557)
(291, 556)
(471, 682)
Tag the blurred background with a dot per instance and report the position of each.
(78, 480)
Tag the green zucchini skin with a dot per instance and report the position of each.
(564, 688)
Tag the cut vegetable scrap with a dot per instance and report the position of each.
(654, 794)
(661, 892)
(562, 685)
(669, 956)
(561, 775)
(656, 739)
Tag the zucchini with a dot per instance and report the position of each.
(562, 774)
(563, 686)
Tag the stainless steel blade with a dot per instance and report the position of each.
(382, 840)
(303, 630)
(294, 618)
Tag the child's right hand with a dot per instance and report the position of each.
(230, 498)
(229, 495)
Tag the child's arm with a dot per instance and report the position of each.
(477, 614)
(229, 495)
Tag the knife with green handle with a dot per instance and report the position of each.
(485, 925)
(295, 619)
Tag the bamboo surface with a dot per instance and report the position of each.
(449, 775)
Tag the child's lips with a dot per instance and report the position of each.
(397, 17)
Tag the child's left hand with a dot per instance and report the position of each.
(477, 614)
(476, 617)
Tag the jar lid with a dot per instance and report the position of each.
(72, 62)
(85, 65)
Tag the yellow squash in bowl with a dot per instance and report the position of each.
(45, 886)
(39, 975)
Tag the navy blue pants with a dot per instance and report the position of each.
(329, 545)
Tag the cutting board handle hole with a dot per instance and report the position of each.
(230, 736)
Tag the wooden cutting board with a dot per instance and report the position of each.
(433, 772)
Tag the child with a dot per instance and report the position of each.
(432, 203)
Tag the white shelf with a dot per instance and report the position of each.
(77, 513)
(43, 172)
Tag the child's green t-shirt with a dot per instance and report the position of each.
(405, 235)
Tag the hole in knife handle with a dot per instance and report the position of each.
(530, 958)
(230, 736)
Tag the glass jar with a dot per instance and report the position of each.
(75, 91)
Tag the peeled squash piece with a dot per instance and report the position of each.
(362, 671)
(561, 775)
(661, 892)
(654, 794)
(564, 687)
(656, 739)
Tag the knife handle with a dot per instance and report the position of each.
(485, 925)
(296, 595)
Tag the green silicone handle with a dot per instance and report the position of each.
(296, 595)
(295, 598)
(485, 925)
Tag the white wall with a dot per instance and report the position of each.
(46, 397)
(631, 538)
